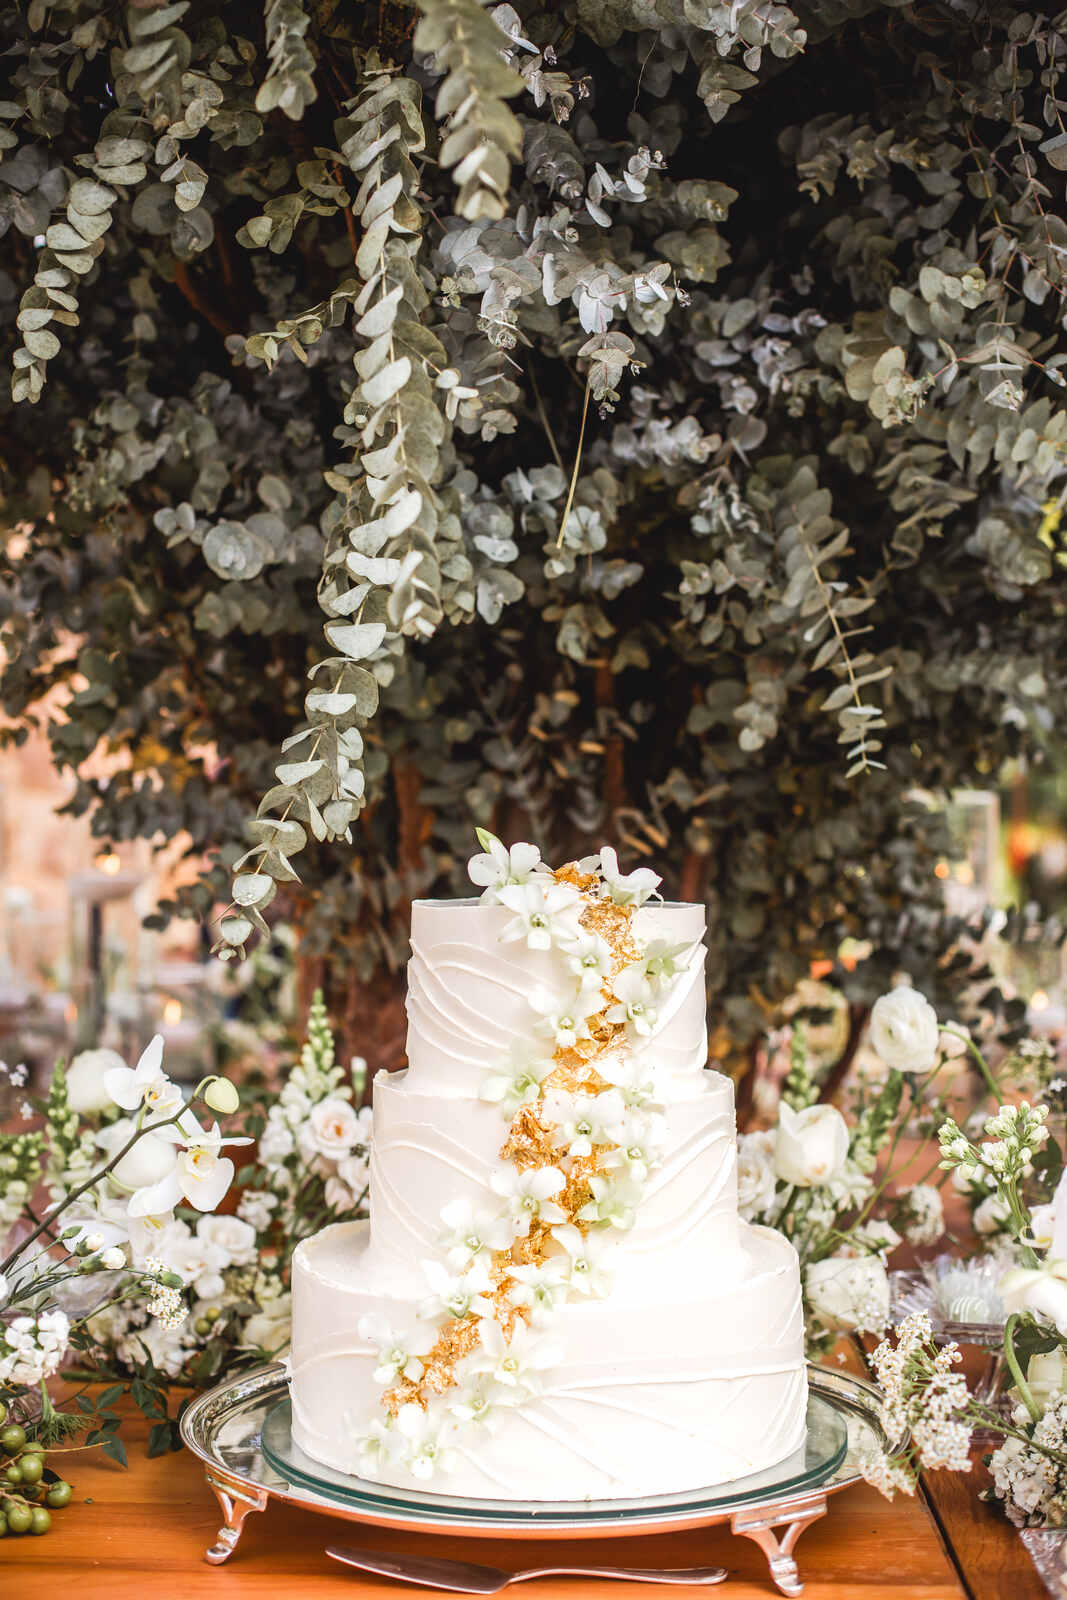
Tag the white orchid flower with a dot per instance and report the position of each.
(376, 1446)
(483, 1400)
(499, 866)
(662, 961)
(457, 1294)
(634, 1077)
(589, 957)
(200, 1175)
(399, 1354)
(518, 1362)
(626, 888)
(614, 1202)
(145, 1085)
(586, 1260)
(584, 1120)
(538, 1288)
(636, 1147)
(470, 1233)
(528, 1195)
(519, 1084)
(546, 914)
(634, 997)
(565, 1021)
(424, 1451)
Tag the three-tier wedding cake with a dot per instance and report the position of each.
(555, 1297)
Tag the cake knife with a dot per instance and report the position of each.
(462, 1577)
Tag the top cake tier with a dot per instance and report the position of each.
(469, 994)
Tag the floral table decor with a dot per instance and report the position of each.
(127, 1279)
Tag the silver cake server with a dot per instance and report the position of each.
(462, 1577)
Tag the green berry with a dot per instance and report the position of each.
(19, 1518)
(3, 1413)
(3, 1524)
(31, 1467)
(13, 1473)
(33, 1447)
(40, 1521)
(12, 1439)
(58, 1495)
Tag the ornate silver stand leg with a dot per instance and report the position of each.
(760, 1527)
(236, 1499)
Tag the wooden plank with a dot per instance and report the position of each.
(143, 1534)
(991, 1559)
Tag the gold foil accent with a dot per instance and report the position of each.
(529, 1144)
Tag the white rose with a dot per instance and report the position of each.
(333, 1127)
(810, 1146)
(756, 1177)
(85, 1080)
(270, 1327)
(1042, 1290)
(849, 1292)
(236, 1239)
(905, 1030)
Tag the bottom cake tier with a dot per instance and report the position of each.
(650, 1398)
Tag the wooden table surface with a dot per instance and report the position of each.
(141, 1534)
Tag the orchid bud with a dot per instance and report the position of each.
(221, 1096)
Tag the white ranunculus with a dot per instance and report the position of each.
(1047, 1375)
(85, 1080)
(811, 1146)
(333, 1128)
(756, 1177)
(849, 1292)
(905, 1030)
(1042, 1290)
(236, 1239)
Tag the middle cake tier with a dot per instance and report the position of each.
(429, 1150)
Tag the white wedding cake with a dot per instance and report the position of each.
(555, 1297)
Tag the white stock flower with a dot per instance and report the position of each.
(545, 913)
(500, 866)
(527, 1195)
(1042, 1290)
(811, 1146)
(905, 1030)
(565, 1019)
(849, 1292)
(756, 1176)
(586, 1260)
(470, 1233)
(589, 957)
(926, 1214)
(145, 1085)
(457, 1294)
(584, 1120)
(614, 1202)
(518, 1362)
(86, 1080)
(333, 1128)
(276, 1144)
(634, 996)
(518, 1084)
(626, 888)
(399, 1354)
(233, 1236)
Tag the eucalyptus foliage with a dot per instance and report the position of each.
(612, 421)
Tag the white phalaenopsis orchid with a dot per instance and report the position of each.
(587, 1257)
(538, 1288)
(635, 996)
(200, 1175)
(589, 957)
(457, 1294)
(528, 1195)
(470, 1234)
(583, 1120)
(500, 867)
(546, 913)
(399, 1354)
(421, 1446)
(518, 1084)
(145, 1085)
(636, 1146)
(626, 888)
(565, 1019)
(614, 1201)
(518, 1362)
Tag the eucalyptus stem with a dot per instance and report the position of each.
(1016, 1371)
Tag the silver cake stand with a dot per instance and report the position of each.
(225, 1428)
